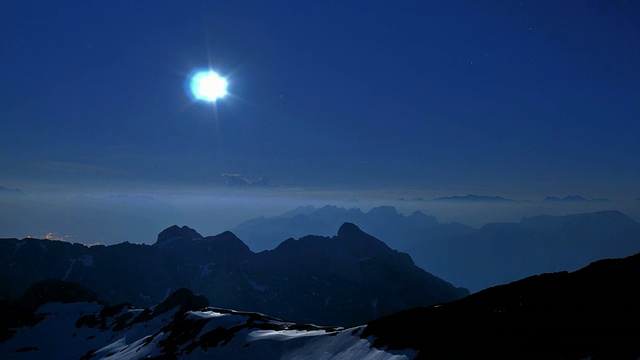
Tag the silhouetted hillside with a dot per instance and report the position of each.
(342, 280)
(591, 313)
(573, 198)
(474, 198)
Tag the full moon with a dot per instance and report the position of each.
(208, 86)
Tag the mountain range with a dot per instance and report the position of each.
(7, 191)
(573, 198)
(475, 258)
(591, 313)
(346, 279)
(384, 222)
(474, 198)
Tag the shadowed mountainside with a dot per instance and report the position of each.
(590, 313)
(347, 279)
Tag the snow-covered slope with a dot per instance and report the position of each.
(88, 330)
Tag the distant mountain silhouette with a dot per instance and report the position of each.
(573, 198)
(238, 180)
(502, 252)
(473, 258)
(175, 232)
(591, 313)
(342, 280)
(474, 198)
(10, 192)
(383, 222)
(86, 218)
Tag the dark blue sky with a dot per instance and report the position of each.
(505, 97)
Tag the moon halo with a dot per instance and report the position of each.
(208, 86)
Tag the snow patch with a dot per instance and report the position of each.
(18, 246)
(257, 287)
(219, 320)
(86, 260)
(254, 284)
(282, 335)
(57, 336)
(113, 348)
(344, 346)
(205, 314)
(206, 270)
(120, 350)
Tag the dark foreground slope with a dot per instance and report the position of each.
(344, 280)
(590, 313)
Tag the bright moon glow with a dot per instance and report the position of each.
(208, 86)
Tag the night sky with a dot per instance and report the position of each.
(512, 98)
